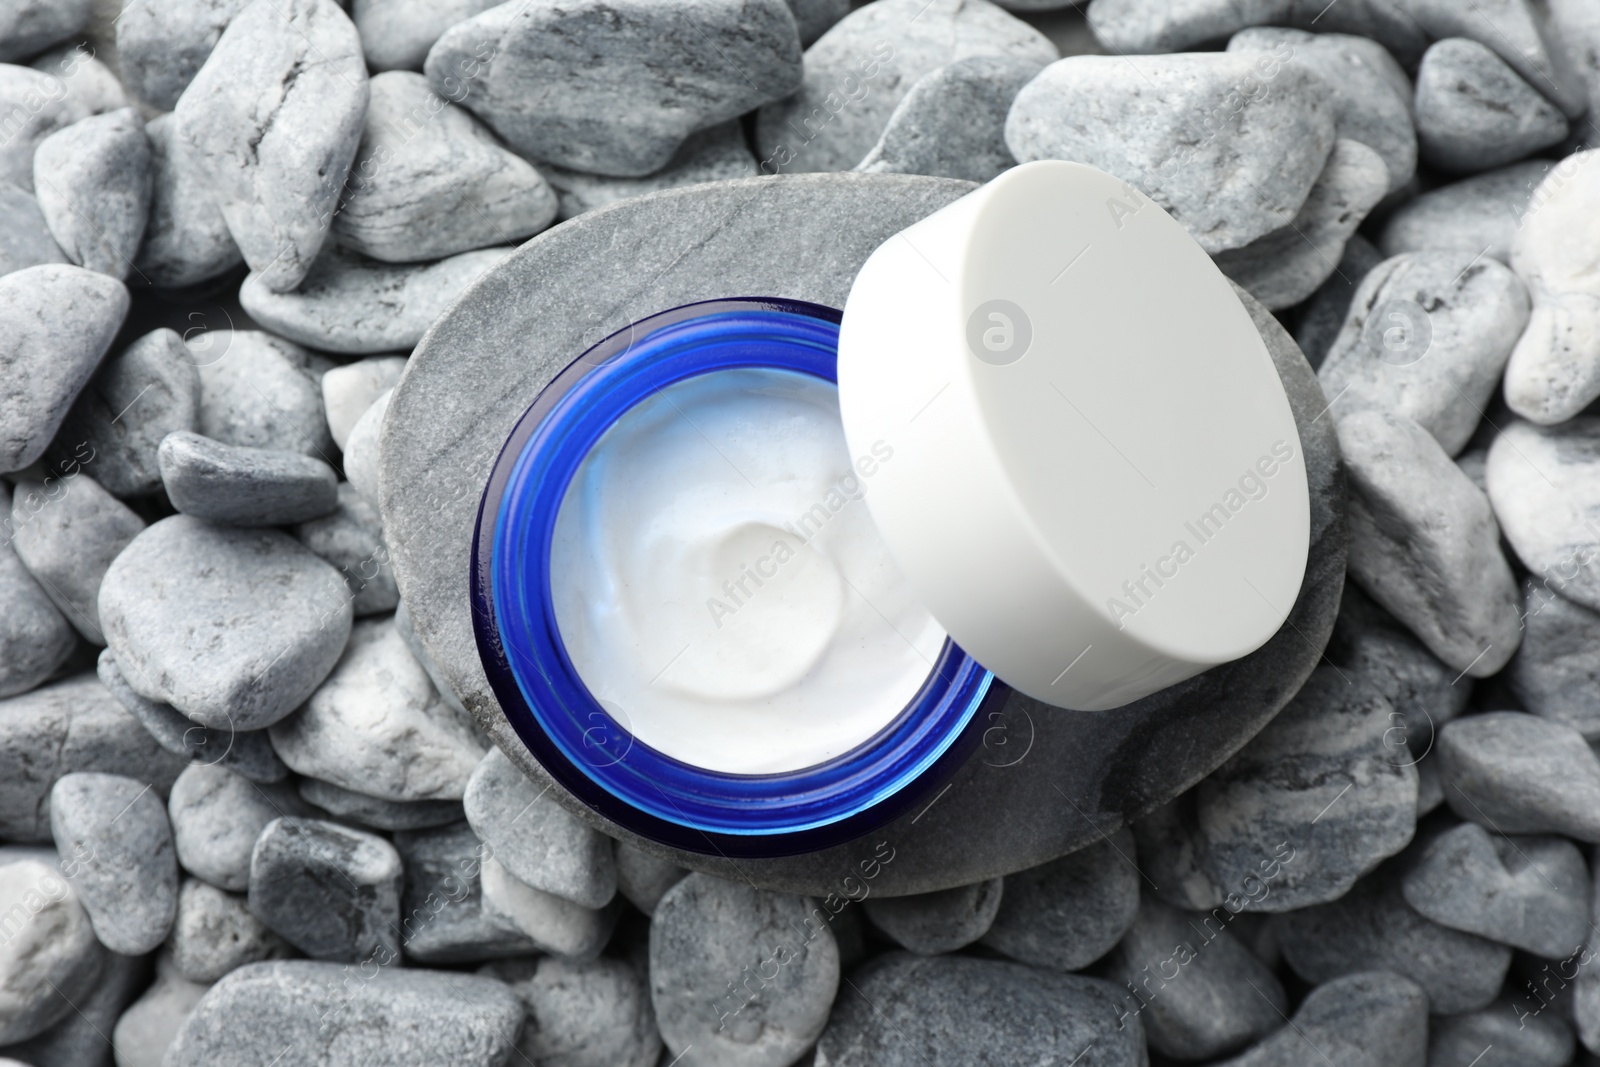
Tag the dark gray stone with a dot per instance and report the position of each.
(1068, 913)
(932, 923)
(116, 848)
(330, 891)
(70, 542)
(52, 958)
(244, 486)
(34, 637)
(816, 17)
(82, 1038)
(644, 878)
(161, 47)
(1500, 1036)
(351, 538)
(1520, 774)
(260, 391)
(1371, 1019)
(708, 155)
(215, 933)
(376, 813)
(583, 1013)
(1541, 481)
(444, 918)
(1477, 215)
(1474, 112)
(26, 240)
(217, 816)
(31, 26)
(93, 184)
(186, 240)
(1557, 667)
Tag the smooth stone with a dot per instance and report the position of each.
(1321, 777)
(551, 923)
(271, 122)
(349, 390)
(1371, 93)
(35, 638)
(217, 814)
(396, 34)
(1069, 912)
(30, 26)
(933, 923)
(859, 71)
(582, 1013)
(81, 1038)
(1557, 666)
(615, 90)
(707, 155)
(1541, 482)
(1371, 1019)
(1554, 371)
(330, 891)
(116, 847)
(902, 1010)
(1530, 893)
(392, 1019)
(708, 934)
(377, 726)
(1221, 998)
(1286, 266)
(1373, 928)
(244, 486)
(356, 307)
(58, 321)
(233, 627)
(814, 18)
(952, 122)
(93, 184)
(1425, 545)
(1430, 788)
(351, 538)
(146, 1030)
(408, 633)
(186, 240)
(1520, 774)
(805, 237)
(1173, 855)
(429, 180)
(1474, 112)
(86, 85)
(161, 47)
(39, 100)
(1149, 26)
(1428, 335)
(538, 840)
(260, 391)
(1479, 215)
(643, 878)
(1500, 1036)
(137, 397)
(51, 959)
(446, 917)
(1576, 24)
(1248, 175)
(71, 725)
(362, 449)
(69, 544)
(215, 933)
(26, 239)
(1519, 32)
(377, 813)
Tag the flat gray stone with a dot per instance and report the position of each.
(583, 1013)
(901, 1010)
(31, 26)
(35, 638)
(71, 725)
(396, 34)
(1557, 666)
(394, 1018)
(271, 122)
(161, 47)
(1375, 1019)
(362, 449)
(377, 726)
(1477, 215)
(58, 321)
(81, 1038)
(858, 72)
(233, 627)
(1245, 175)
(933, 923)
(643, 879)
(1520, 774)
(93, 184)
(538, 840)
(217, 814)
(445, 919)
(215, 933)
(349, 390)
(1144, 26)
(186, 239)
(26, 240)
(1069, 912)
(1424, 543)
(349, 305)
(116, 848)
(377, 813)
(705, 933)
(260, 391)
(145, 1031)
(69, 544)
(615, 90)
(553, 924)
(1541, 483)
(330, 891)
(351, 539)
(1474, 112)
(429, 180)
(52, 957)
(1502, 1036)
(244, 486)
(713, 154)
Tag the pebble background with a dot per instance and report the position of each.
(244, 820)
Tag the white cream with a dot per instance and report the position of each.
(720, 586)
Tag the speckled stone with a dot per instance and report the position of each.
(93, 184)
(81, 1038)
(215, 933)
(1477, 215)
(161, 47)
(444, 916)
(1371, 1017)
(1069, 912)
(375, 812)
(186, 239)
(260, 391)
(1140, 26)
(1505, 1034)
(217, 815)
(69, 543)
(330, 891)
(644, 878)
(1474, 112)
(706, 156)
(583, 1013)
(1520, 774)
(244, 486)
(933, 923)
(53, 946)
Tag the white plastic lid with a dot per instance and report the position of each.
(1095, 481)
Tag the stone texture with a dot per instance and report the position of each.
(69, 543)
(260, 391)
(93, 184)
(1475, 113)
(349, 390)
(361, 449)
(933, 923)
(351, 538)
(1520, 774)
(815, 17)
(1518, 32)
(244, 486)
(217, 816)
(408, 633)
(34, 637)
(186, 239)
(553, 924)
(1541, 483)
(396, 34)
(145, 1031)
(31, 26)
(161, 47)
(583, 1013)
(1557, 666)
(1500, 1036)
(1142, 26)
(81, 1039)
(446, 919)
(1068, 913)
(643, 879)
(215, 933)
(375, 812)
(26, 240)
(330, 891)
(40, 102)
(116, 847)
(1476, 215)
(51, 957)
(85, 85)
(1373, 1018)
(708, 155)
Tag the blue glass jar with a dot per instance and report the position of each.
(582, 743)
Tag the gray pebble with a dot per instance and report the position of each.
(1428, 335)
(1530, 893)
(40, 101)
(1067, 913)
(711, 943)
(244, 486)
(1375, 1019)
(52, 958)
(70, 725)
(260, 391)
(644, 878)
(215, 933)
(1430, 787)
(417, 748)
(1424, 543)
(932, 923)
(1477, 215)
(1141, 26)
(408, 633)
(35, 638)
(161, 47)
(1373, 928)
(271, 122)
(26, 240)
(396, 34)
(1173, 854)
(186, 240)
(615, 90)
(860, 70)
(1286, 266)
(1218, 997)
(902, 1010)
(582, 1013)
(551, 923)
(1500, 1036)
(952, 122)
(1576, 25)
(377, 813)
(145, 1031)
(815, 17)
(361, 453)
(351, 538)
(93, 184)
(349, 390)
(80, 1039)
(1520, 774)
(1557, 667)
(1246, 175)
(392, 1019)
(445, 918)
(708, 155)
(58, 321)
(1542, 485)
(353, 306)
(86, 85)
(430, 181)
(30, 26)
(1519, 32)
(1474, 112)
(538, 840)
(69, 544)
(233, 627)
(116, 848)
(217, 814)
(330, 891)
